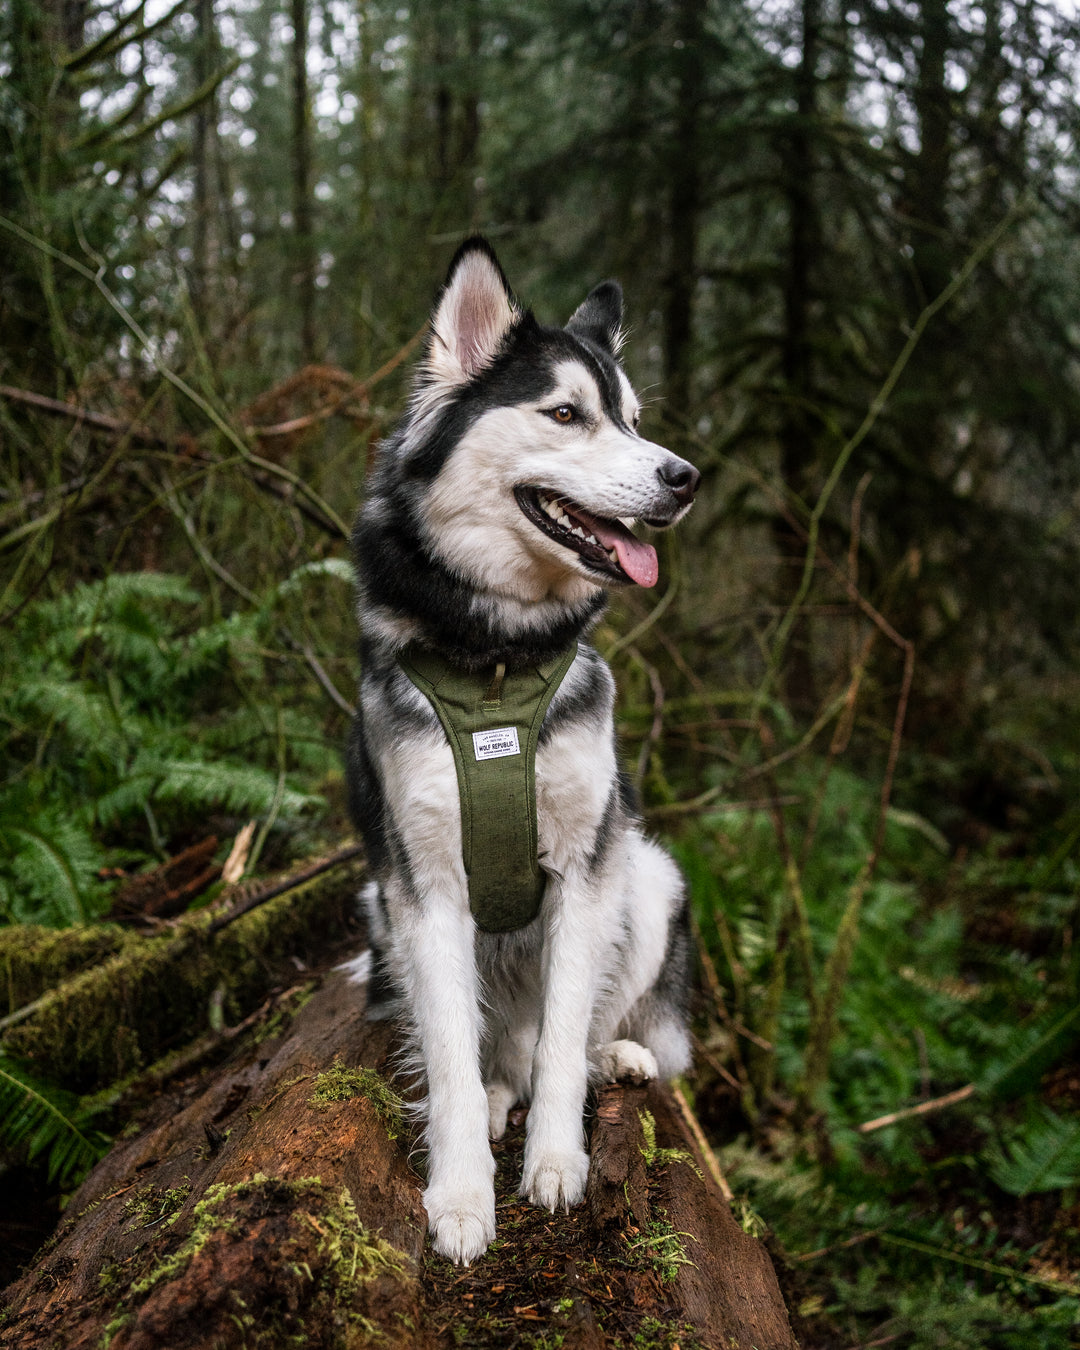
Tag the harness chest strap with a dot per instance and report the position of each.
(492, 722)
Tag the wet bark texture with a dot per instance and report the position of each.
(257, 1209)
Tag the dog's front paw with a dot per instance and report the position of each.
(626, 1060)
(555, 1180)
(461, 1222)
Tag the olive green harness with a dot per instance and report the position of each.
(493, 724)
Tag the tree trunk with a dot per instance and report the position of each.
(798, 451)
(272, 1198)
(685, 207)
(930, 179)
(205, 116)
(301, 182)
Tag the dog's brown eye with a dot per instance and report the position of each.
(563, 414)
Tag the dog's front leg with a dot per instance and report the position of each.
(443, 996)
(556, 1164)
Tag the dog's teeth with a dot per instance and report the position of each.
(592, 539)
(550, 507)
(628, 521)
(578, 531)
(613, 556)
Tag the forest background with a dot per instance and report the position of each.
(848, 238)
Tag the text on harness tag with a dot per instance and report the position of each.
(496, 743)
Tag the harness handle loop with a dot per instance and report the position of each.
(493, 697)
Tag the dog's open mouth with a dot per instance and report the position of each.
(605, 545)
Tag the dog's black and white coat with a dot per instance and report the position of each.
(497, 514)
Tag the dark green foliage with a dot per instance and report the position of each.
(1042, 1155)
(912, 1225)
(129, 720)
(46, 1124)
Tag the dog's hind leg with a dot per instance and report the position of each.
(507, 1073)
(647, 1036)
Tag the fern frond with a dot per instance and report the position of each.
(340, 568)
(203, 785)
(1043, 1156)
(53, 865)
(87, 716)
(42, 1120)
(1029, 1051)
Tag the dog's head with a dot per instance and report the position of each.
(527, 439)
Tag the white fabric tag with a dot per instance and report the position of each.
(496, 743)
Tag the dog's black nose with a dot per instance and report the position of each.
(682, 478)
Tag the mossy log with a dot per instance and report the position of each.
(116, 1001)
(271, 1202)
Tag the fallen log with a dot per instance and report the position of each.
(104, 1002)
(271, 1202)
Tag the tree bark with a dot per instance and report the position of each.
(249, 1212)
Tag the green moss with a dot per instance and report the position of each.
(150, 1206)
(660, 1247)
(339, 1084)
(111, 1277)
(117, 1324)
(208, 1220)
(346, 1255)
(110, 1021)
(661, 1157)
(656, 1335)
(350, 1255)
(34, 959)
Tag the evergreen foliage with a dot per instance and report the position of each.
(47, 1125)
(128, 723)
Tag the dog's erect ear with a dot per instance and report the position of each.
(473, 315)
(599, 317)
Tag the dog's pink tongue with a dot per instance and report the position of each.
(636, 559)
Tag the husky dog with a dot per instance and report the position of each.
(498, 512)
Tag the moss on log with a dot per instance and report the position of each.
(34, 959)
(272, 1202)
(151, 994)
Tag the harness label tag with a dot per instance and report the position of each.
(496, 743)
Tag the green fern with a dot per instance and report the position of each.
(49, 863)
(128, 717)
(198, 785)
(1043, 1156)
(1030, 1050)
(44, 1122)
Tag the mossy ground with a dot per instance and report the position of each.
(533, 1289)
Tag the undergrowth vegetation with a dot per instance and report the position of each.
(925, 1193)
(131, 719)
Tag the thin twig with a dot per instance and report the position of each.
(707, 1153)
(149, 348)
(99, 421)
(657, 727)
(276, 888)
(327, 683)
(922, 1109)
